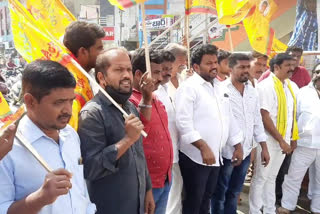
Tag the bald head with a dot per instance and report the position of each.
(109, 57)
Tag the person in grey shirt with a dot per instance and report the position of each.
(111, 146)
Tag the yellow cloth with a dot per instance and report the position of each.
(4, 107)
(282, 116)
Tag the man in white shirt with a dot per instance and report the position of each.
(206, 124)
(174, 205)
(258, 66)
(308, 149)
(278, 128)
(223, 67)
(246, 110)
(25, 186)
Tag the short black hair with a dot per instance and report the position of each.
(271, 65)
(222, 55)
(280, 58)
(257, 55)
(41, 76)
(294, 49)
(138, 59)
(82, 34)
(200, 51)
(167, 56)
(234, 58)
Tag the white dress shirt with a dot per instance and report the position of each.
(167, 100)
(269, 102)
(21, 174)
(308, 116)
(246, 110)
(203, 111)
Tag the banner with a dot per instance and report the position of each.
(34, 42)
(11, 118)
(52, 14)
(232, 12)
(121, 4)
(257, 25)
(4, 108)
(200, 6)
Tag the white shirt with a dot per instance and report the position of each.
(246, 110)
(308, 116)
(269, 102)
(167, 99)
(21, 174)
(204, 112)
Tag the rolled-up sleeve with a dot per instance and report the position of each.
(266, 97)
(7, 189)
(99, 158)
(258, 130)
(184, 100)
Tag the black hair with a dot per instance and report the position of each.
(234, 58)
(271, 65)
(222, 55)
(167, 56)
(82, 34)
(41, 76)
(138, 59)
(257, 55)
(200, 51)
(280, 58)
(294, 49)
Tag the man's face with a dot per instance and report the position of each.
(54, 111)
(166, 71)
(119, 74)
(156, 71)
(297, 57)
(317, 84)
(93, 53)
(258, 67)
(285, 70)
(223, 67)
(208, 67)
(240, 72)
(179, 64)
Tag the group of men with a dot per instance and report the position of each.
(202, 126)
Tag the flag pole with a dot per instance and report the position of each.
(145, 38)
(230, 39)
(186, 33)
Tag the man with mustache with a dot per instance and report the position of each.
(174, 205)
(258, 66)
(246, 110)
(206, 124)
(278, 110)
(25, 186)
(111, 145)
(157, 145)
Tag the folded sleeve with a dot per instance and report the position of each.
(266, 96)
(99, 158)
(185, 101)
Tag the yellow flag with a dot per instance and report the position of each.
(232, 12)
(34, 42)
(52, 14)
(200, 6)
(4, 108)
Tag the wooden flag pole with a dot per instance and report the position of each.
(186, 33)
(145, 38)
(230, 38)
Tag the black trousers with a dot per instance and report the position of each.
(280, 177)
(199, 183)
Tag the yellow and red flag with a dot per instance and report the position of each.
(52, 14)
(232, 12)
(5, 110)
(122, 4)
(11, 118)
(33, 41)
(200, 6)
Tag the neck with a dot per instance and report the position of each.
(238, 85)
(52, 133)
(136, 86)
(251, 79)
(174, 81)
(281, 79)
(222, 76)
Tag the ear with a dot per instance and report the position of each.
(101, 79)
(82, 52)
(29, 100)
(196, 67)
(138, 74)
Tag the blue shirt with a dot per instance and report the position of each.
(21, 174)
